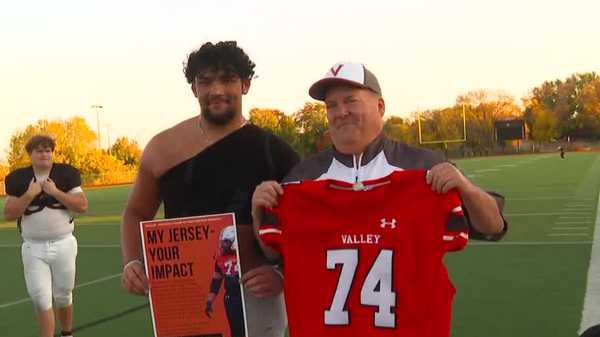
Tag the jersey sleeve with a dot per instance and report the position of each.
(456, 234)
(270, 231)
(16, 183)
(490, 237)
(71, 178)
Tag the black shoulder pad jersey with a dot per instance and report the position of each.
(65, 176)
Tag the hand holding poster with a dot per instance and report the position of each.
(188, 261)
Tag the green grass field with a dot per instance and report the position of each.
(531, 284)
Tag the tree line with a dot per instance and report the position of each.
(76, 145)
(566, 109)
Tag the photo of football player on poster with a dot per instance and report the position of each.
(227, 268)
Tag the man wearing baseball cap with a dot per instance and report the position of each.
(410, 293)
(355, 108)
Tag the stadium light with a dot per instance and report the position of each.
(98, 108)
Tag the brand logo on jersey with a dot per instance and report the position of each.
(384, 223)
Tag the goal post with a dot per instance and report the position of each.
(443, 141)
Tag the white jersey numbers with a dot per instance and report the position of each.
(376, 289)
(348, 258)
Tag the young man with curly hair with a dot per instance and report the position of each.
(211, 164)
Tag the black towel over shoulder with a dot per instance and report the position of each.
(223, 177)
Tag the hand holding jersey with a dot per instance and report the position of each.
(441, 177)
(49, 187)
(380, 247)
(483, 208)
(34, 188)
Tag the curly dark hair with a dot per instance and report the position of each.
(224, 55)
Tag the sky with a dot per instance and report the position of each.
(58, 58)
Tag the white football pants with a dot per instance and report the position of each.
(49, 268)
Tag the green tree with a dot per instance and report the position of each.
(401, 130)
(482, 109)
(127, 151)
(74, 139)
(544, 127)
(311, 124)
(277, 122)
(586, 120)
(75, 145)
(3, 171)
(572, 102)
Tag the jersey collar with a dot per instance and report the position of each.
(370, 152)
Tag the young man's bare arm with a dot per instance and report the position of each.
(142, 205)
(15, 206)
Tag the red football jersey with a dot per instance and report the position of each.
(369, 262)
(227, 264)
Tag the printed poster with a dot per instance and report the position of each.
(193, 269)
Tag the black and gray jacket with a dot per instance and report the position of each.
(382, 157)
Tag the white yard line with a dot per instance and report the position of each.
(24, 300)
(542, 214)
(569, 228)
(487, 170)
(13, 245)
(539, 198)
(568, 234)
(591, 304)
(573, 222)
(529, 243)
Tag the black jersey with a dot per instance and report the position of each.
(65, 176)
(222, 178)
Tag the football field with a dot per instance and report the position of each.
(532, 283)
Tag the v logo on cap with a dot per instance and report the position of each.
(336, 70)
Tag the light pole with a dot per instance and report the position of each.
(108, 146)
(98, 108)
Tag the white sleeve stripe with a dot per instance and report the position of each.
(269, 231)
(457, 209)
(451, 238)
(77, 189)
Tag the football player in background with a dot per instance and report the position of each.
(42, 198)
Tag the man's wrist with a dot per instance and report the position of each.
(278, 270)
(134, 261)
(29, 196)
(469, 190)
